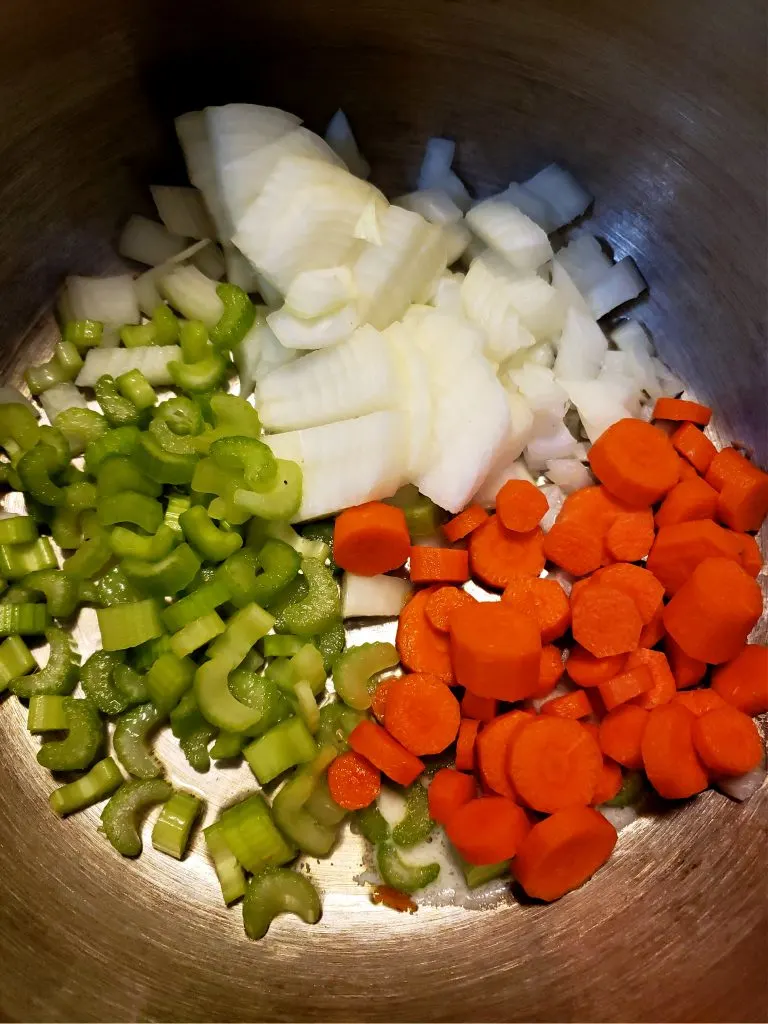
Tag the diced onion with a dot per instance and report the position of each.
(581, 348)
(152, 360)
(183, 211)
(502, 470)
(321, 332)
(563, 194)
(438, 157)
(210, 261)
(192, 294)
(555, 499)
(192, 131)
(61, 397)
(259, 353)
(373, 596)
(433, 204)
(621, 284)
(488, 304)
(742, 787)
(509, 232)
(239, 270)
(596, 403)
(315, 293)
(340, 138)
(584, 261)
(569, 474)
(556, 443)
(531, 205)
(110, 300)
(148, 242)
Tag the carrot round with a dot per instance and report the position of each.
(726, 464)
(631, 683)
(699, 702)
(520, 505)
(464, 523)
(554, 763)
(687, 501)
(574, 546)
(621, 735)
(571, 705)
(608, 783)
(420, 646)
(488, 829)
(751, 556)
(687, 472)
(638, 583)
(694, 446)
(713, 613)
(630, 536)
(441, 604)
(743, 501)
(743, 682)
(653, 631)
(678, 549)
(448, 791)
(379, 699)
(482, 709)
(605, 621)
(544, 599)
(560, 853)
(465, 744)
(669, 757)
(495, 651)
(389, 756)
(681, 409)
(370, 539)
(353, 781)
(663, 689)
(727, 741)
(497, 554)
(635, 461)
(587, 670)
(439, 565)
(492, 747)
(686, 670)
(551, 669)
(422, 713)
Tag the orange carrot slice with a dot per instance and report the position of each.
(370, 539)
(699, 702)
(464, 523)
(571, 705)
(574, 546)
(694, 446)
(439, 565)
(488, 829)
(375, 744)
(608, 783)
(353, 781)
(492, 747)
(421, 647)
(621, 735)
(422, 713)
(587, 670)
(482, 709)
(631, 683)
(631, 535)
(669, 757)
(448, 791)
(554, 763)
(497, 554)
(727, 741)
(687, 501)
(663, 689)
(605, 621)
(686, 670)
(743, 682)
(465, 744)
(496, 652)
(441, 604)
(521, 506)
(544, 599)
(678, 549)
(681, 409)
(635, 461)
(551, 670)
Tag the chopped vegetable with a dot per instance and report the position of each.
(353, 781)
(422, 713)
(371, 539)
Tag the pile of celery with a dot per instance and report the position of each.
(215, 615)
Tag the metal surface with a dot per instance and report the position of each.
(659, 108)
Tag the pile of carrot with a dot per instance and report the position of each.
(652, 638)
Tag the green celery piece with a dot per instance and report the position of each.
(131, 740)
(319, 610)
(19, 429)
(416, 825)
(323, 531)
(166, 577)
(18, 560)
(98, 682)
(193, 732)
(119, 441)
(278, 891)
(193, 338)
(100, 782)
(16, 660)
(80, 427)
(252, 835)
(206, 374)
(336, 723)
(229, 873)
(632, 790)
(244, 629)
(238, 574)
(372, 825)
(292, 817)
(131, 685)
(119, 473)
(83, 333)
(17, 530)
(306, 705)
(323, 807)
(422, 516)
(331, 643)
(354, 670)
(79, 748)
(174, 826)
(134, 386)
(35, 468)
(127, 543)
(23, 619)
(128, 625)
(284, 746)
(307, 665)
(247, 458)
(479, 874)
(281, 501)
(168, 679)
(275, 646)
(162, 466)
(90, 558)
(212, 543)
(196, 634)
(238, 317)
(280, 565)
(113, 588)
(217, 703)
(263, 696)
(228, 745)
(61, 592)
(118, 410)
(177, 503)
(130, 507)
(47, 714)
(119, 817)
(399, 874)
(205, 599)
(60, 673)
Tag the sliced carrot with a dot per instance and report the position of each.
(694, 445)
(751, 556)
(663, 689)
(551, 669)
(575, 546)
(353, 781)
(521, 506)
(442, 602)
(687, 501)
(389, 756)
(636, 582)
(370, 539)
(465, 744)
(621, 735)
(631, 683)
(379, 699)
(714, 611)
(495, 651)
(726, 464)
(727, 741)
(630, 536)
(497, 554)
(560, 853)
(421, 647)
(743, 501)
(743, 682)
(669, 756)
(482, 709)
(686, 670)
(422, 713)
(653, 631)
(571, 705)
(464, 523)
(488, 829)
(492, 748)
(635, 461)
(608, 783)
(554, 763)
(593, 504)
(439, 565)
(587, 670)
(699, 702)
(605, 621)
(678, 549)
(680, 409)
(544, 599)
(448, 791)
(687, 472)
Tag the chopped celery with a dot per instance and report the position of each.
(238, 317)
(60, 673)
(211, 542)
(196, 634)
(162, 466)
(478, 874)
(205, 599)
(177, 503)
(118, 819)
(18, 560)
(252, 835)
(85, 737)
(353, 672)
(416, 825)
(278, 891)
(307, 665)
(322, 806)
(228, 871)
(168, 679)
(118, 410)
(320, 609)
(16, 660)
(167, 576)
(130, 507)
(260, 694)
(227, 746)
(119, 473)
(331, 642)
(217, 703)
(284, 746)
(372, 824)
(401, 875)
(280, 565)
(113, 588)
(281, 501)
(193, 732)
(128, 625)
(291, 815)
(131, 738)
(422, 516)
(174, 826)
(98, 680)
(134, 386)
(306, 705)
(17, 530)
(61, 592)
(100, 782)
(336, 723)
(246, 627)
(275, 646)
(83, 333)
(127, 543)
(47, 713)
(23, 619)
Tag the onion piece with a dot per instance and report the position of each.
(485, 293)
(581, 348)
(566, 288)
(321, 332)
(373, 596)
(259, 353)
(569, 474)
(509, 232)
(597, 404)
(562, 193)
(670, 384)
(341, 139)
(192, 131)
(539, 211)
(433, 204)
(555, 499)
(110, 300)
(621, 284)
(414, 396)
(556, 442)
(438, 157)
(183, 211)
(501, 471)
(584, 261)
(742, 787)
(148, 242)
(447, 294)
(239, 270)
(152, 360)
(547, 397)
(192, 294)
(146, 286)
(314, 293)
(61, 397)
(210, 261)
